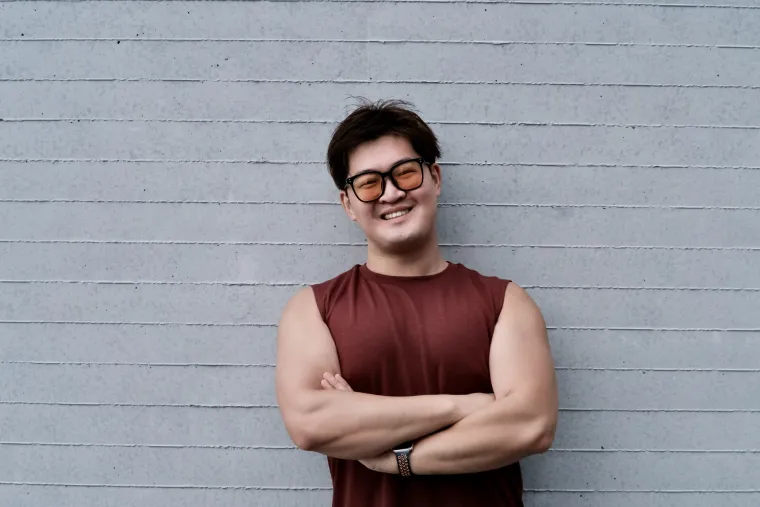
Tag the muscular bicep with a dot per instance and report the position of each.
(520, 356)
(305, 351)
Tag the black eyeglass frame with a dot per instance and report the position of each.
(389, 174)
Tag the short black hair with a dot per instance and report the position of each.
(371, 121)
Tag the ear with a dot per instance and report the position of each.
(346, 203)
(435, 173)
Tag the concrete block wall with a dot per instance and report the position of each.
(163, 192)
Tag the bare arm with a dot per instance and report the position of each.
(339, 423)
(522, 419)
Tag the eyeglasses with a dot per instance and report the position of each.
(406, 175)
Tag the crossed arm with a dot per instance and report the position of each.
(452, 434)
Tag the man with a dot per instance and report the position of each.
(423, 382)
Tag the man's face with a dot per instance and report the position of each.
(380, 219)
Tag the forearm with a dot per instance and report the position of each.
(353, 425)
(500, 434)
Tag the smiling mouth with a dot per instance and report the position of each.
(395, 214)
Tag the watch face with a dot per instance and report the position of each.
(405, 447)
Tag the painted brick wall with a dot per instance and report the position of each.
(162, 194)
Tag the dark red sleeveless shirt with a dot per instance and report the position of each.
(406, 336)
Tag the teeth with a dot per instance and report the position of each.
(396, 214)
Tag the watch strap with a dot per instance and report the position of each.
(402, 458)
(402, 453)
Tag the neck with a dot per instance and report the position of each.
(420, 261)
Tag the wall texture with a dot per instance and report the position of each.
(162, 194)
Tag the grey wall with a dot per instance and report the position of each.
(605, 156)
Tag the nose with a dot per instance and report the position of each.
(391, 193)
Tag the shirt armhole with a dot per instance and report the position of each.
(500, 290)
(320, 296)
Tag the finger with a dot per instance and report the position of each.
(331, 379)
(343, 382)
(341, 385)
(326, 385)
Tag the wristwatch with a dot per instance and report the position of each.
(402, 453)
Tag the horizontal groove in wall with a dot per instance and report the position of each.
(304, 284)
(297, 243)
(292, 447)
(648, 491)
(321, 488)
(332, 122)
(167, 486)
(516, 2)
(117, 323)
(441, 204)
(243, 365)
(158, 365)
(176, 446)
(272, 324)
(319, 162)
(634, 3)
(307, 40)
(377, 81)
(274, 406)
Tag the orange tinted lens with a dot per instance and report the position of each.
(408, 175)
(368, 186)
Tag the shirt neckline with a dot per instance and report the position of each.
(380, 277)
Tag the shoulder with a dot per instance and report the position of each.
(509, 297)
(299, 306)
(325, 293)
(520, 310)
(337, 280)
(318, 290)
(491, 281)
(483, 276)
(492, 286)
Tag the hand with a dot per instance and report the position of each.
(334, 382)
(384, 463)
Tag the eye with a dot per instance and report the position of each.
(367, 180)
(406, 170)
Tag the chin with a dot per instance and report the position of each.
(400, 242)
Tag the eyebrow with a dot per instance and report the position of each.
(397, 162)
